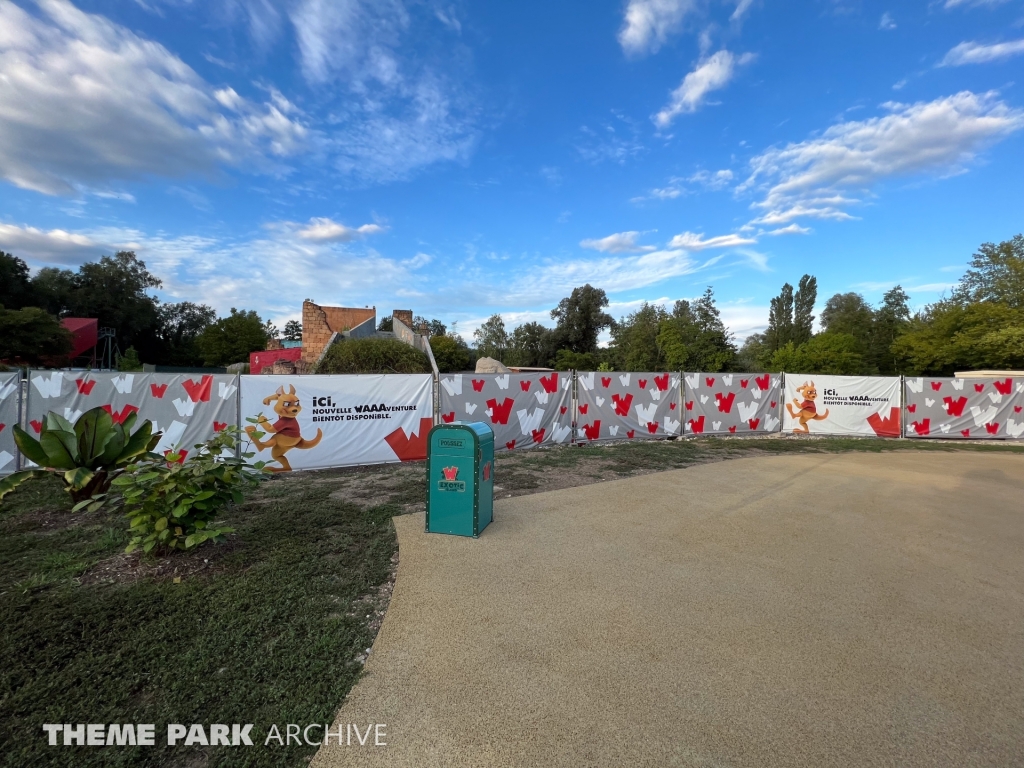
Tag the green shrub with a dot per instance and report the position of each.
(173, 502)
(450, 354)
(373, 356)
(87, 456)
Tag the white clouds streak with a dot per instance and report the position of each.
(323, 230)
(87, 102)
(711, 74)
(819, 178)
(56, 246)
(978, 53)
(620, 242)
(648, 24)
(691, 241)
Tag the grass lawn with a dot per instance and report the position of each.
(270, 627)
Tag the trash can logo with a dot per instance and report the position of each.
(450, 483)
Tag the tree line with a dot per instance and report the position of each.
(980, 325)
(115, 290)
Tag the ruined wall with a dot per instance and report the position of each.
(404, 316)
(319, 323)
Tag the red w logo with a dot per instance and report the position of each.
(450, 473)
(158, 390)
(697, 426)
(120, 416)
(410, 447)
(198, 392)
(1003, 387)
(923, 427)
(762, 381)
(478, 385)
(592, 431)
(661, 382)
(955, 407)
(725, 403)
(622, 404)
(550, 383)
(487, 471)
(85, 386)
(888, 427)
(500, 413)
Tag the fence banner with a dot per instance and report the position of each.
(10, 411)
(525, 410)
(315, 422)
(626, 406)
(187, 408)
(842, 405)
(731, 403)
(964, 408)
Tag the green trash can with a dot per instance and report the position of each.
(460, 478)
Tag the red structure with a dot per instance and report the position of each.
(85, 335)
(266, 359)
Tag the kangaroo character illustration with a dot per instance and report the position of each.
(285, 432)
(806, 411)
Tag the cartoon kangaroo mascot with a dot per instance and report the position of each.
(285, 433)
(806, 411)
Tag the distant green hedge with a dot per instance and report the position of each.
(373, 356)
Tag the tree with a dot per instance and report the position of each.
(129, 361)
(996, 274)
(567, 360)
(15, 284)
(491, 338)
(32, 336)
(635, 339)
(803, 307)
(434, 327)
(891, 320)
(529, 345)
(827, 353)
(231, 339)
(373, 356)
(292, 331)
(695, 338)
(780, 320)
(386, 324)
(754, 355)
(178, 329)
(848, 313)
(450, 353)
(580, 318)
(54, 289)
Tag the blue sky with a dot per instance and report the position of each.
(461, 159)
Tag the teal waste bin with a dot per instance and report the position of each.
(460, 478)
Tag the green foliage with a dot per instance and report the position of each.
(492, 338)
(950, 336)
(173, 503)
(567, 360)
(450, 353)
(803, 306)
(32, 336)
(996, 274)
(780, 320)
(178, 331)
(605, 367)
(292, 331)
(232, 338)
(386, 324)
(87, 456)
(695, 338)
(373, 356)
(831, 353)
(580, 318)
(529, 345)
(15, 286)
(129, 361)
(635, 339)
(892, 318)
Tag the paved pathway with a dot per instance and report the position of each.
(812, 610)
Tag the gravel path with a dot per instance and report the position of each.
(807, 610)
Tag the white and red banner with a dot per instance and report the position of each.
(186, 409)
(964, 409)
(10, 411)
(626, 406)
(315, 422)
(525, 410)
(731, 403)
(841, 405)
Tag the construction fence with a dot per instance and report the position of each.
(314, 422)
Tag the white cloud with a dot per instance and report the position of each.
(973, 3)
(54, 247)
(648, 24)
(820, 177)
(792, 229)
(887, 22)
(978, 53)
(620, 242)
(742, 6)
(694, 242)
(717, 180)
(88, 102)
(711, 74)
(324, 230)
